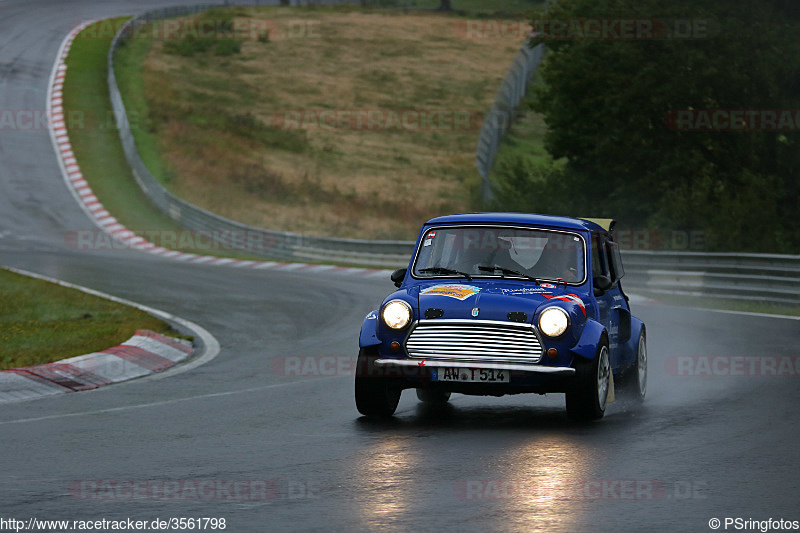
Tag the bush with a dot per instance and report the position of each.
(528, 186)
(188, 46)
(228, 47)
(248, 126)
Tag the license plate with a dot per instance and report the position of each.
(472, 375)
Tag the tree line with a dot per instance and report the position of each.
(680, 115)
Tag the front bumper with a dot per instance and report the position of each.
(519, 367)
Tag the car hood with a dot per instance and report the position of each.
(489, 300)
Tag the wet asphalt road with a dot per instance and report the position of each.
(701, 447)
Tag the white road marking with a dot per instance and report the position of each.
(747, 313)
(160, 403)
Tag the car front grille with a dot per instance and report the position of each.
(474, 340)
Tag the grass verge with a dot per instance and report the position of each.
(41, 322)
(524, 139)
(479, 8)
(98, 150)
(95, 140)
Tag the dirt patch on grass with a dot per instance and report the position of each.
(333, 122)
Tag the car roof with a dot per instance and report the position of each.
(527, 219)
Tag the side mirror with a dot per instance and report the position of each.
(601, 284)
(398, 276)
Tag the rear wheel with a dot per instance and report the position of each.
(634, 385)
(432, 396)
(376, 395)
(587, 399)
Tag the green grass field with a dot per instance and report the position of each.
(479, 7)
(524, 139)
(41, 322)
(95, 141)
(96, 144)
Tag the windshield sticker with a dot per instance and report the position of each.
(459, 292)
(574, 298)
(429, 238)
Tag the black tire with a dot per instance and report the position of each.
(375, 395)
(587, 399)
(634, 383)
(432, 396)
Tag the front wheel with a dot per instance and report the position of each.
(587, 398)
(432, 396)
(375, 394)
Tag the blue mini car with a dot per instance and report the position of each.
(505, 303)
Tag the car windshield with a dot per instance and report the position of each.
(475, 251)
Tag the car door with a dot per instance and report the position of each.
(612, 306)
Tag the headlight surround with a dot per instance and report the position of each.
(553, 321)
(396, 314)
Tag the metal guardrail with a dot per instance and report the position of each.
(501, 115)
(756, 277)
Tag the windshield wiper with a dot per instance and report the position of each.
(506, 272)
(443, 270)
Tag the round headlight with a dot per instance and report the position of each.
(553, 322)
(396, 314)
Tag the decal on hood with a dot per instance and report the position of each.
(459, 292)
(574, 298)
(523, 290)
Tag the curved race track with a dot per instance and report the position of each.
(702, 447)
